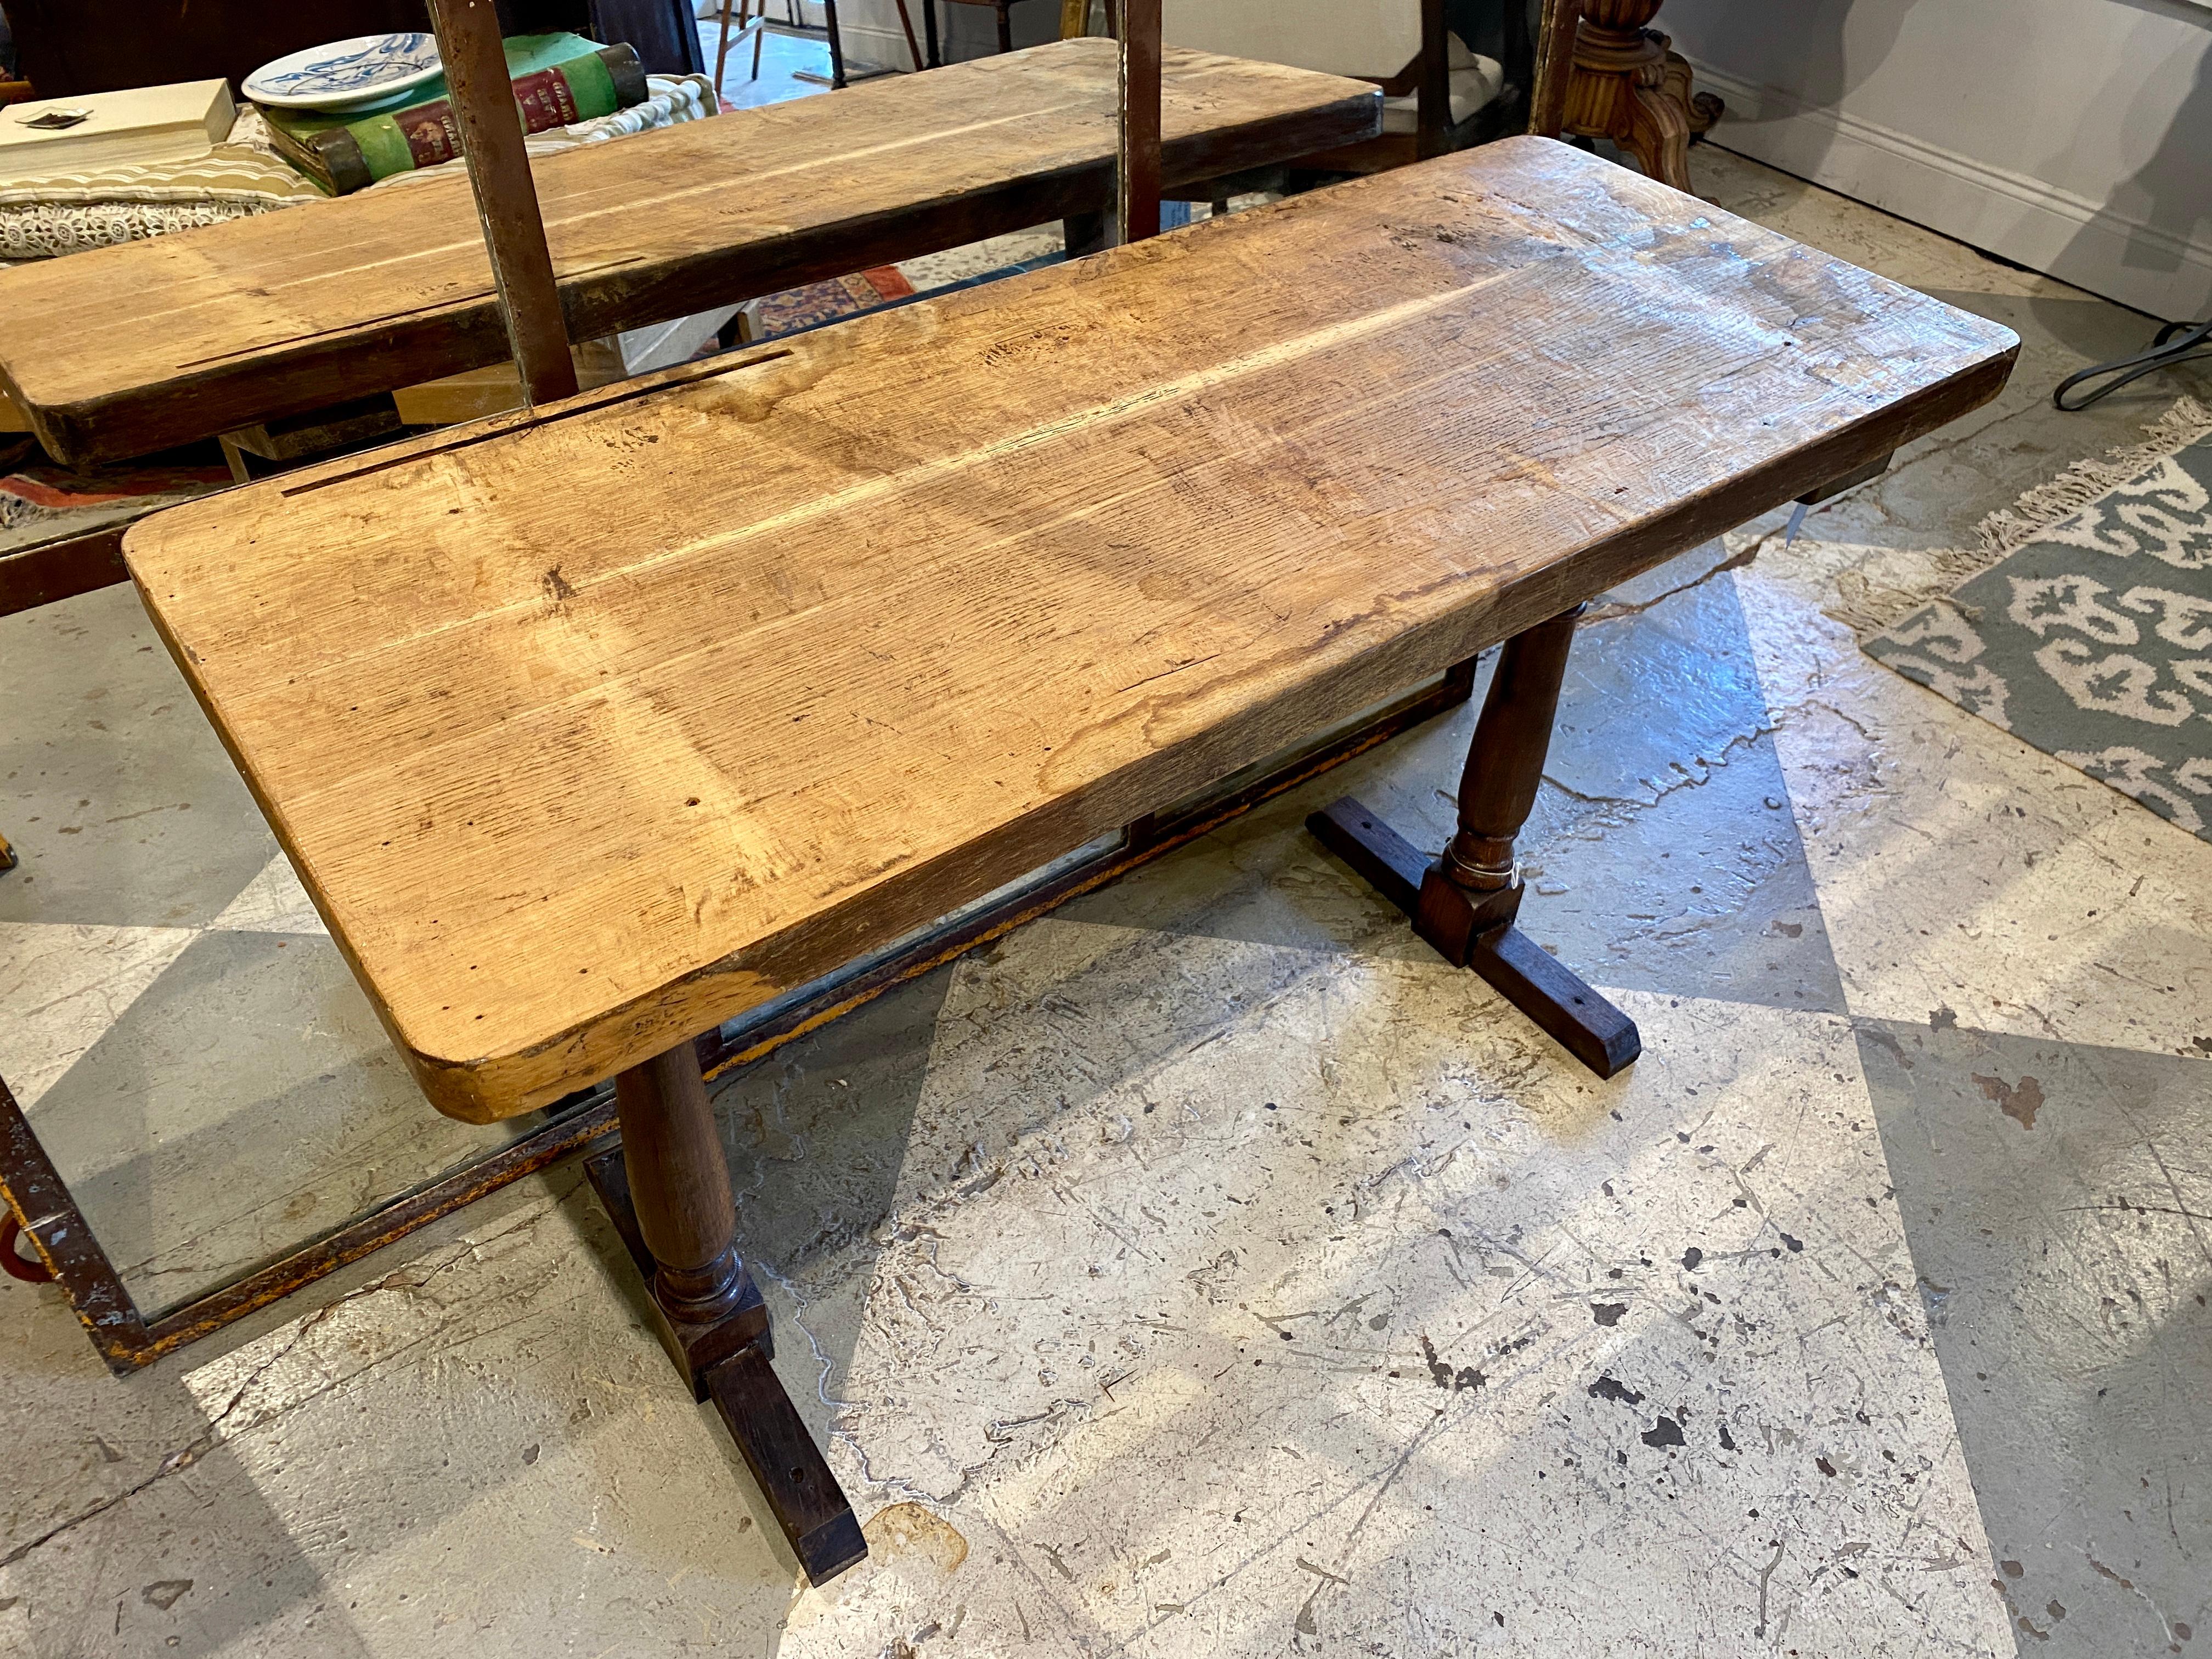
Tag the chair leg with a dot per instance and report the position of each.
(929, 32)
(836, 45)
(722, 50)
(1005, 25)
(906, 22)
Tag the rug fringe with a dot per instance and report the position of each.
(1868, 610)
(2010, 528)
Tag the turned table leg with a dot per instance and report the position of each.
(1464, 903)
(679, 1182)
(668, 1192)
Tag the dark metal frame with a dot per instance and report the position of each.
(41, 1204)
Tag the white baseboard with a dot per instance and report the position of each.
(2009, 214)
(885, 48)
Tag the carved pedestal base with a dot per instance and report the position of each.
(1627, 86)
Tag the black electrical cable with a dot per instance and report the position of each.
(2177, 342)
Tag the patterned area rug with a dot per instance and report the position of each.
(796, 310)
(817, 304)
(2088, 633)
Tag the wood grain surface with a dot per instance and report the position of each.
(120, 351)
(589, 729)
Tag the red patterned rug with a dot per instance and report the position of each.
(42, 502)
(798, 309)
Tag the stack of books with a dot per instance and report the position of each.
(559, 80)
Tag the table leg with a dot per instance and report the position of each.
(1136, 168)
(722, 51)
(478, 96)
(929, 32)
(1465, 901)
(668, 1192)
(906, 22)
(836, 45)
(1085, 233)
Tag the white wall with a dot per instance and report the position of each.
(2074, 137)
(873, 34)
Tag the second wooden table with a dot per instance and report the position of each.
(124, 350)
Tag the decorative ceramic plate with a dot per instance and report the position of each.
(346, 73)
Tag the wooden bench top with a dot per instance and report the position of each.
(124, 351)
(590, 730)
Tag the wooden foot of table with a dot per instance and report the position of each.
(1465, 901)
(667, 1189)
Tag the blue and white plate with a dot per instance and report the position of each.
(346, 73)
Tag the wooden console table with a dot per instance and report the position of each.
(894, 612)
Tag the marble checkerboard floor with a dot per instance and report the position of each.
(1205, 1269)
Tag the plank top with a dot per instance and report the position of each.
(258, 318)
(591, 729)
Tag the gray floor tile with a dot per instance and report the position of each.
(115, 791)
(246, 1102)
(2057, 1200)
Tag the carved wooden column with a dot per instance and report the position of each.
(1628, 86)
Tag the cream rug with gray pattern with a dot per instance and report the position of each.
(2087, 631)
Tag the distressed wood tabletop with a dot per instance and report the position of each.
(123, 350)
(590, 729)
